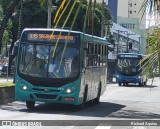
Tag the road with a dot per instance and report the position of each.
(117, 103)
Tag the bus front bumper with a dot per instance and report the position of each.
(128, 80)
(46, 96)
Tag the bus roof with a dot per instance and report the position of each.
(50, 29)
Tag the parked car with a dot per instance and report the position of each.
(156, 71)
(3, 69)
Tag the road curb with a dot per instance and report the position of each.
(7, 94)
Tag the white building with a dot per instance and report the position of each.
(131, 9)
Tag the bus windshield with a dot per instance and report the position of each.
(128, 66)
(48, 61)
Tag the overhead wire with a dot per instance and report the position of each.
(63, 27)
(70, 31)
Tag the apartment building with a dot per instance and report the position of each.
(132, 9)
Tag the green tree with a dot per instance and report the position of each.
(7, 35)
(152, 59)
(8, 7)
(79, 23)
(36, 10)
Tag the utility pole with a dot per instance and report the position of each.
(128, 34)
(127, 44)
(118, 40)
(139, 44)
(93, 10)
(20, 19)
(49, 13)
(102, 25)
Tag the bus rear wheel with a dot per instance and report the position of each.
(96, 100)
(144, 83)
(30, 104)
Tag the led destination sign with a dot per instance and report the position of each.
(128, 56)
(49, 37)
(35, 36)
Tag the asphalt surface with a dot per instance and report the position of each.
(125, 103)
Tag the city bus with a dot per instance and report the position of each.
(128, 69)
(60, 66)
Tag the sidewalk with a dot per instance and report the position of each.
(113, 81)
(5, 79)
(7, 90)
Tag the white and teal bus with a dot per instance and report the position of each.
(60, 66)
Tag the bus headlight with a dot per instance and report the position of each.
(139, 77)
(68, 90)
(117, 76)
(24, 88)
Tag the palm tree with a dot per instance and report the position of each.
(153, 38)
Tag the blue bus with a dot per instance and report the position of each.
(60, 66)
(128, 69)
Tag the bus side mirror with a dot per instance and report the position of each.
(15, 51)
(15, 48)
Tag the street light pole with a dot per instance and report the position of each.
(102, 25)
(49, 13)
(128, 34)
(118, 41)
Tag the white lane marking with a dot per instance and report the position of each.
(102, 126)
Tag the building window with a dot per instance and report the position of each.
(128, 25)
(130, 12)
(124, 25)
(135, 4)
(135, 11)
(130, 4)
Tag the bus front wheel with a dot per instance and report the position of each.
(119, 83)
(140, 84)
(30, 104)
(82, 105)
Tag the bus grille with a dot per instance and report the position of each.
(36, 89)
(45, 96)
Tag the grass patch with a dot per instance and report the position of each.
(6, 84)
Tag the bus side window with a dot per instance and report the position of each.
(105, 55)
(85, 55)
(96, 55)
(101, 55)
(91, 55)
